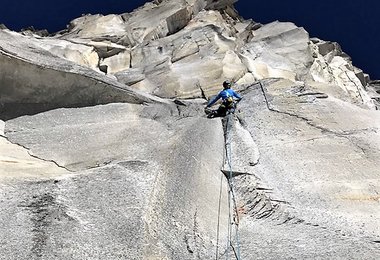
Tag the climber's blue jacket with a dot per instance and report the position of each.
(224, 94)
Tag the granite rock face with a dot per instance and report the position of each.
(105, 152)
(130, 184)
(38, 75)
(163, 46)
(317, 179)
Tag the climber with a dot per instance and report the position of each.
(229, 100)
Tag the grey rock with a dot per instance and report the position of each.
(374, 92)
(148, 178)
(327, 47)
(278, 50)
(335, 68)
(308, 191)
(28, 71)
(124, 191)
(2, 126)
(130, 76)
(32, 31)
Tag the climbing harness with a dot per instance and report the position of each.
(229, 102)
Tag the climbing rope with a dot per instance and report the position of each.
(231, 197)
(232, 220)
(219, 206)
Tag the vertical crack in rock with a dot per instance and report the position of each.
(258, 202)
(130, 59)
(227, 126)
(357, 87)
(203, 95)
(179, 104)
(256, 199)
(193, 240)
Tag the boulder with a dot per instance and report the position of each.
(78, 53)
(200, 51)
(33, 79)
(152, 21)
(118, 62)
(278, 50)
(31, 31)
(99, 27)
(335, 68)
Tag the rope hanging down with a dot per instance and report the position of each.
(219, 206)
(231, 198)
(233, 217)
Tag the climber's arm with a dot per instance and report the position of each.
(213, 100)
(237, 96)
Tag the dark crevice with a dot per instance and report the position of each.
(193, 239)
(279, 201)
(174, 60)
(130, 59)
(316, 94)
(360, 94)
(102, 53)
(264, 189)
(235, 173)
(178, 110)
(203, 95)
(179, 102)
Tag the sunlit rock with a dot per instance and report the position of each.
(106, 153)
(278, 50)
(332, 66)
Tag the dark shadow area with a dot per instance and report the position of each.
(14, 110)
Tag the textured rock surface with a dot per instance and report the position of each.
(374, 92)
(317, 179)
(278, 50)
(2, 126)
(34, 79)
(178, 49)
(134, 191)
(105, 152)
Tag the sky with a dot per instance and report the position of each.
(353, 24)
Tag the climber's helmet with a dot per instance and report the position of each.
(227, 84)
